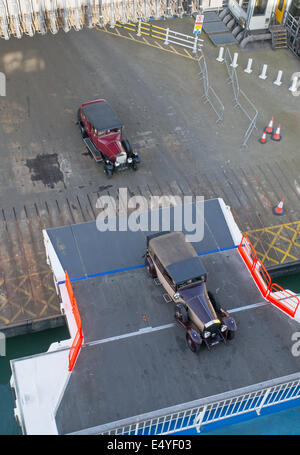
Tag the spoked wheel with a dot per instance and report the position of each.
(181, 313)
(191, 344)
(230, 335)
(108, 173)
(83, 132)
(151, 270)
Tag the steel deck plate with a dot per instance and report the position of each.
(219, 39)
(215, 27)
(85, 251)
(211, 16)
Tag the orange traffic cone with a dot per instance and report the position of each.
(269, 129)
(263, 139)
(277, 136)
(278, 209)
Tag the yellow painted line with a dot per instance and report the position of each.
(172, 47)
(160, 46)
(132, 37)
(270, 245)
(273, 227)
(187, 52)
(6, 321)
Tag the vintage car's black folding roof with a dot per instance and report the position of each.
(186, 270)
(101, 116)
(171, 248)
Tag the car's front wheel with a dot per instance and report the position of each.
(108, 172)
(181, 313)
(83, 132)
(230, 334)
(191, 344)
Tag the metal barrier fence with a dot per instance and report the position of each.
(293, 33)
(188, 42)
(200, 413)
(18, 17)
(281, 298)
(240, 97)
(210, 95)
(78, 339)
(164, 34)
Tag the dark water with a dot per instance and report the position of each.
(17, 347)
(289, 282)
(36, 343)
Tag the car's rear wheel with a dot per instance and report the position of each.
(181, 313)
(230, 334)
(150, 267)
(191, 344)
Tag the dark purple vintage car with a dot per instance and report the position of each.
(175, 263)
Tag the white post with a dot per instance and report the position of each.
(263, 73)
(262, 402)
(248, 68)
(167, 37)
(220, 57)
(199, 418)
(195, 44)
(234, 62)
(139, 29)
(278, 79)
(293, 87)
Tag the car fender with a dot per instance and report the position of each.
(230, 322)
(195, 336)
(109, 165)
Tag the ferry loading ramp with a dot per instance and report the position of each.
(134, 361)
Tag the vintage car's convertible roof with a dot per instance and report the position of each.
(101, 115)
(186, 270)
(171, 248)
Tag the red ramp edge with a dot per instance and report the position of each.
(78, 339)
(283, 299)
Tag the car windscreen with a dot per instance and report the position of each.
(190, 282)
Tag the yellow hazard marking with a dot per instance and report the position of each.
(146, 43)
(277, 244)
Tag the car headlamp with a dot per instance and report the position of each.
(224, 328)
(206, 334)
(176, 296)
(129, 160)
(117, 164)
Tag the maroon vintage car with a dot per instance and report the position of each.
(175, 263)
(102, 133)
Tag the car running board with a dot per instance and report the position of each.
(93, 149)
